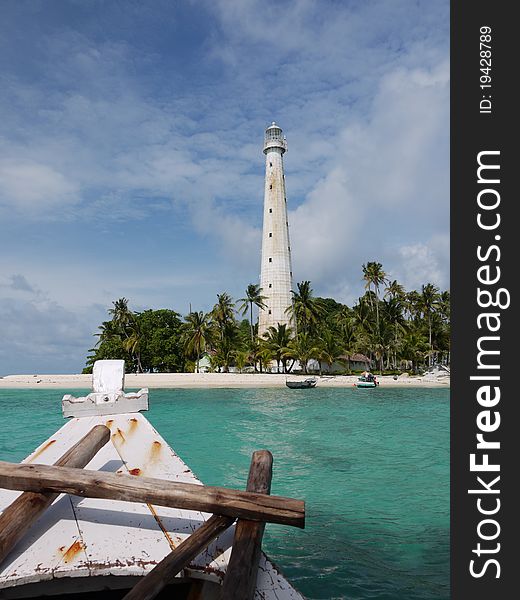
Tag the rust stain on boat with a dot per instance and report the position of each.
(109, 423)
(42, 450)
(209, 569)
(118, 436)
(133, 561)
(72, 551)
(155, 451)
(133, 425)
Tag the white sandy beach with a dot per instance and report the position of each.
(207, 380)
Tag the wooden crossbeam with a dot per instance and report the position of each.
(25, 510)
(240, 580)
(164, 573)
(242, 570)
(119, 486)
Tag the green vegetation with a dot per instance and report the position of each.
(395, 329)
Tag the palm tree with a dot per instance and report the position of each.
(412, 304)
(254, 348)
(107, 330)
(225, 352)
(276, 340)
(361, 313)
(349, 339)
(307, 309)
(444, 311)
(374, 275)
(302, 348)
(241, 359)
(395, 290)
(381, 342)
(223, 313)
(197, 335)
(121, 315)
(393, 314)
(330, 350)
(134, 342)
(444, 306)
(265, 357)
(414, 348)
(441, 338)
(343, 316)
(253, 296)
(429, 302)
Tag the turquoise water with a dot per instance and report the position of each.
(372, 465)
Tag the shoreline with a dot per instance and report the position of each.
(209, 380)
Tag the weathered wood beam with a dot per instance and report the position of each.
(242, 570)
(164, 573)
(27, 508)
(240, 581)
(119, 486)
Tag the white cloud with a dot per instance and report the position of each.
(419, 266)
(42, 331)
(387, 183)
(17, 282)
(32, 187)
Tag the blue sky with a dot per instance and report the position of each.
(131, 154)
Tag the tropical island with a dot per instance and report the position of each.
(388, 329)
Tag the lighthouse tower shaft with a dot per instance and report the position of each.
(276, 269)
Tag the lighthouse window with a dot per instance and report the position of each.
(270, 285)
(270, 235)
(270, 260)
(270, 164)
(269, 312)
(270, 210)
(271, 187)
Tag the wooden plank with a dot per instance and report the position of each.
(91, 484)
(25, 510)
(242, 572)
(166, 571)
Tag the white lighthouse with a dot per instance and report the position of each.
(276, 270)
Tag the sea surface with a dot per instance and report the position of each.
(372, 465)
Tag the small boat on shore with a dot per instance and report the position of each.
(366, 380)
(136, 520)
(310, 382)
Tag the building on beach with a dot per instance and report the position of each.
(346, 362)
(276, 269)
